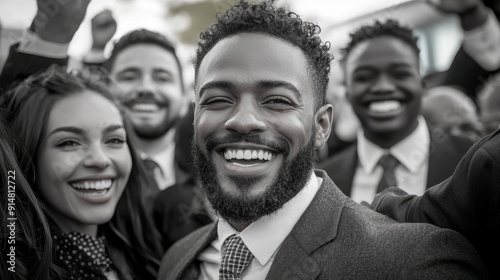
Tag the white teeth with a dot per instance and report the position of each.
(248, 154)
(239, 154)
(93, 185)
(147, 107)
(385, 106)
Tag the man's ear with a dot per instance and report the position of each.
(323, 122)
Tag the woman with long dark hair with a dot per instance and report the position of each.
(25, 237)
(78, 157)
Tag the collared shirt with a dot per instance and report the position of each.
(165, 175)
(263, 237)
(483, 43)
(411, 174)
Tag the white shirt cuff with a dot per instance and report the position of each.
(32, 44)
(95, 56)
(483, 43)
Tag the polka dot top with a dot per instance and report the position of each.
(84, 256)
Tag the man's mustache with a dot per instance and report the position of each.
(142, 97)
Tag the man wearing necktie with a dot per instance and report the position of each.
(381, 69)
(260, 114)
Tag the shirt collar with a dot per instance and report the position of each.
(162, 157)
(264, 236)
(411, 152)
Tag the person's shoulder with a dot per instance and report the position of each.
(338, 158)
(379, 226)
(491, 145)
(403, 249)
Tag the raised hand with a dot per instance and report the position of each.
(58, 20)
(103, 28)
(455, 6)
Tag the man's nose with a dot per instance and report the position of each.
(246, 119)
(383, 84)
(146, 85)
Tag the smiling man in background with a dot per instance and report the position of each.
(395, 146)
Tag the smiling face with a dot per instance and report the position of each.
(83, 162)
(150, 87)
(255, 125)
(384, 88)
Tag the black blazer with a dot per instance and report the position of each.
(468, 202)
(19, 66)
(445, 152)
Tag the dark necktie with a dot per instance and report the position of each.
(389, 164)
(235, 258)
(152, 168)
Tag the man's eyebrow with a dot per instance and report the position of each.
(393, 65)
(216, 84)
(129, 69)
(162, 70)
(280, 84)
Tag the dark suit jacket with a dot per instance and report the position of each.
(19, 66)
(445, 152)
(468, 202)
(337, 238)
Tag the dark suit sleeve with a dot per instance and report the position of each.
(468, 202)
(19, 66)
(442, 254)
(465, 74)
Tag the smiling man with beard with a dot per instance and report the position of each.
(148, 75)
(260, 114)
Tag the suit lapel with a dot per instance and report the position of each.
(317, 226)
(343, 176)
(186, 267)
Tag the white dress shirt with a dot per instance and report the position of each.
(411, 174)
(263, 237)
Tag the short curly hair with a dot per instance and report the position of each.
(390, 27)
(266, 18)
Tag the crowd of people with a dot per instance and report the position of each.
(118, 176)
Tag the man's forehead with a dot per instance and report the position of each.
(253, 57)
(383, 49)
(144, 55)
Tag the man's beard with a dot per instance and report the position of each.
(290, 180)
(153, 132)
(147, 131)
